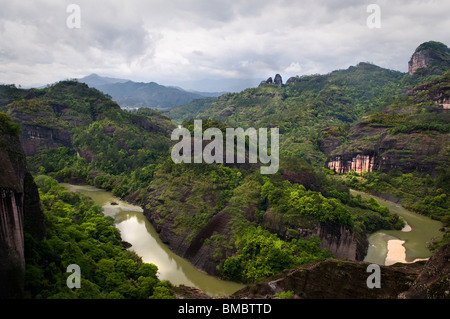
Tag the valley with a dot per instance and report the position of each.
(365, 128)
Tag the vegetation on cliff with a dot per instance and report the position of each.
(186, 198)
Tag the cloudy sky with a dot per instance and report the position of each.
(209, 45)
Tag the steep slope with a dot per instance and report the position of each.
(226, 219)
(19, 209)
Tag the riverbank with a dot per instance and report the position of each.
(408, 245)
(396, 253)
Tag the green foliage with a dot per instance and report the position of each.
(190, 110)
(425, 195)
(302, 107)
(440, 57)
(79, 233)
(294, 201)
(285, 294)
(128, 153)
(261, 254)
(7, 126)
(86, 131)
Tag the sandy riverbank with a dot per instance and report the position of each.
(397, 253)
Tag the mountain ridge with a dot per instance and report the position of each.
(130, 94)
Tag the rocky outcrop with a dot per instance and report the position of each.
(420, 59)
(335, 279)
(185, 242)
(417, 151)
(19, 208)
(194, 250)
(431, 58)
(341, 241)
(434, 280)
(278, 80)
(35, 137)
(338, 279)
(351, 162)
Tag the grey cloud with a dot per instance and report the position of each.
(158, 40)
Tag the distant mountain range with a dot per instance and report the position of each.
(129, 94)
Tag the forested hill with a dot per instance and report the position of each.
(392, 126)
(72, 129)
(133, 95)
(303, 106)
(343, 94)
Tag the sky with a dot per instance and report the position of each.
(209, 45)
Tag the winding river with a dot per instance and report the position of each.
(387, 247)
(140, 233)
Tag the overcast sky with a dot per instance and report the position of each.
(202, 44)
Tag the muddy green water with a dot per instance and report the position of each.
(140, 233)
(420, 231)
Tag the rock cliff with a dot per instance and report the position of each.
(278, 80)
(420, 59)
(19, 208)
(408, 136)
(431, 58)
(341, 241)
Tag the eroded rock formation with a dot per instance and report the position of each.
(341, 241)
(19, 208)
(420, 59)
(278, 80)
(431, 57)
(359, 163)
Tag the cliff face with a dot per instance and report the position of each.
(338, 239)
(356, 162)
(194, 250)
(19, 208)
(421, 59)
(431, 58)
(414, 152)
(35, 137)
(341, 241)
(409, 136)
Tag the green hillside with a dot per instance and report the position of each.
(303, 106)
